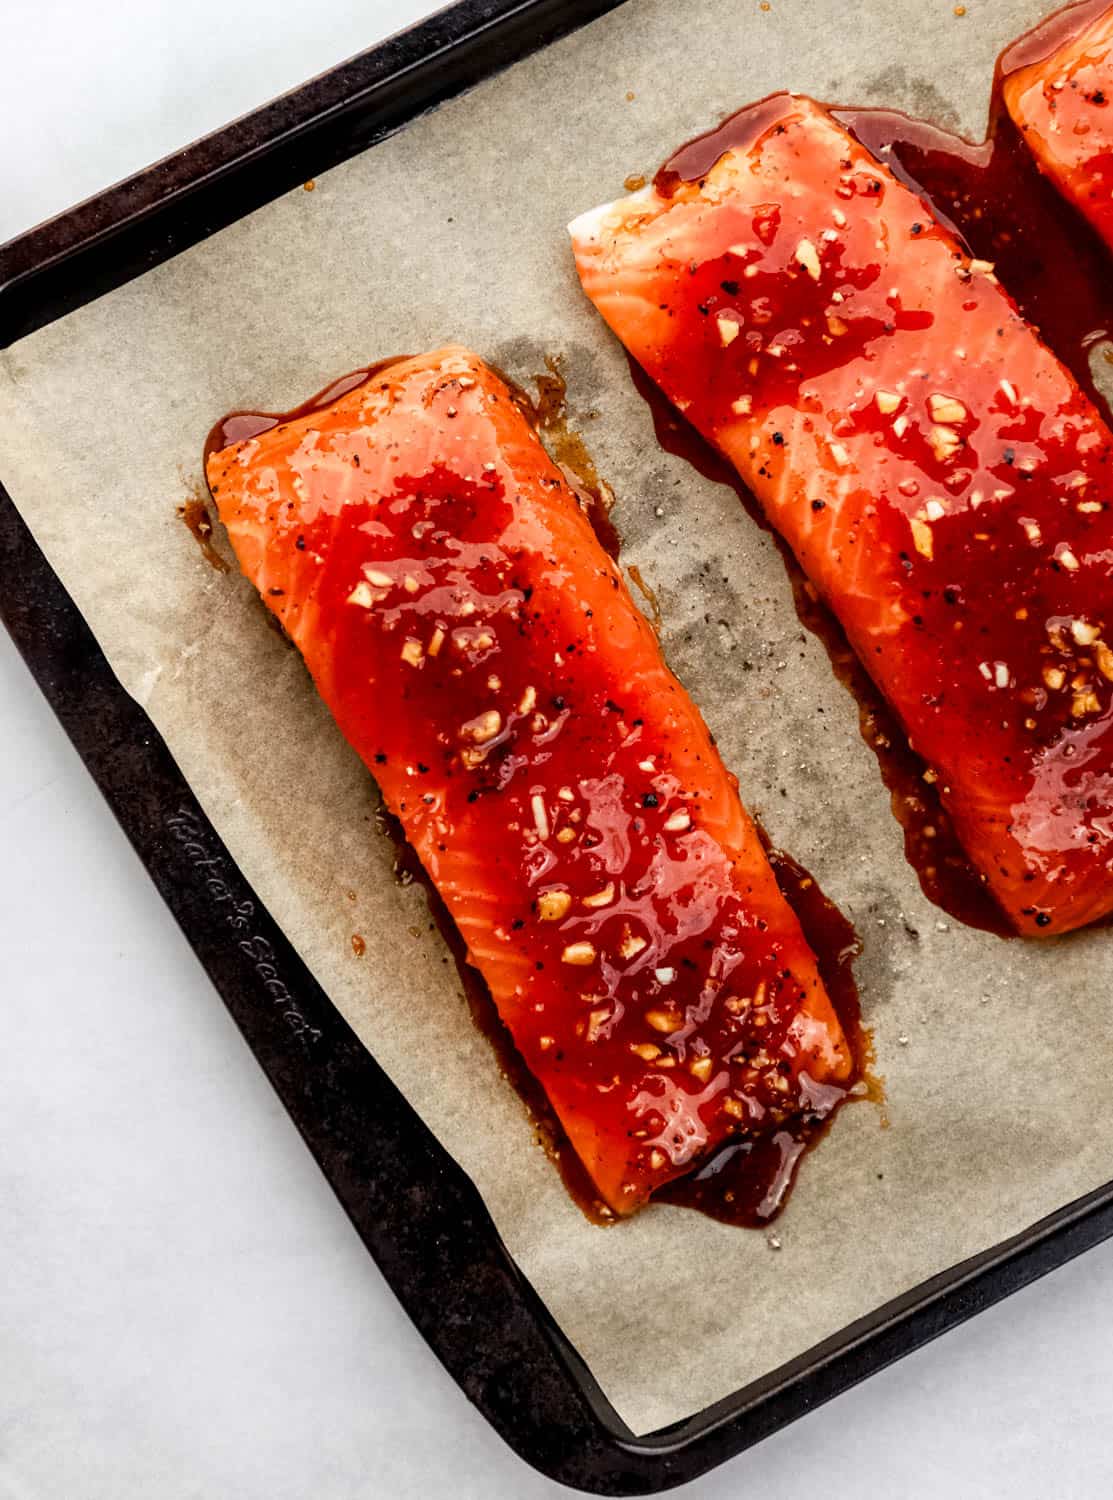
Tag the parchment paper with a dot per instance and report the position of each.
(997, 1055)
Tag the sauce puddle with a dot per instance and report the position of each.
(198, 520)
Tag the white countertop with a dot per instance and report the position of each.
(184, 1309)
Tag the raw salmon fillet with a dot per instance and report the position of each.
(938, 473)
(480, 651)
(1062, 105)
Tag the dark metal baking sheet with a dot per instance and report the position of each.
(414, 1208)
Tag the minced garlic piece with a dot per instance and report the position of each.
(540, 815)
(595, 1023)
(362, 596)
(663, 1020)
(808, 257)
(603, 897)
(553, 905)
(944, 442)
(678, 822)
(631, 944)
(887, 402)
(482, 728)
(922, 538)
(728, 330)
(580, 954)
(946, 408)
(378, 579)
(412, 651)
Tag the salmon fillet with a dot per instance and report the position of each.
(938, 473)
(1062, 105)
(480, 651)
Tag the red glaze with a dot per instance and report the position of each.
(747, 1179)
(937, 472)
(1059, 277)
(1055, 268)
(1057, 84)
(931, 845)
(480, 651)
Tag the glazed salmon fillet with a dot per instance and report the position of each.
(1062, 104)
(938, 473)
(480, 651)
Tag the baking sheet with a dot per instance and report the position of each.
(996, 1055)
